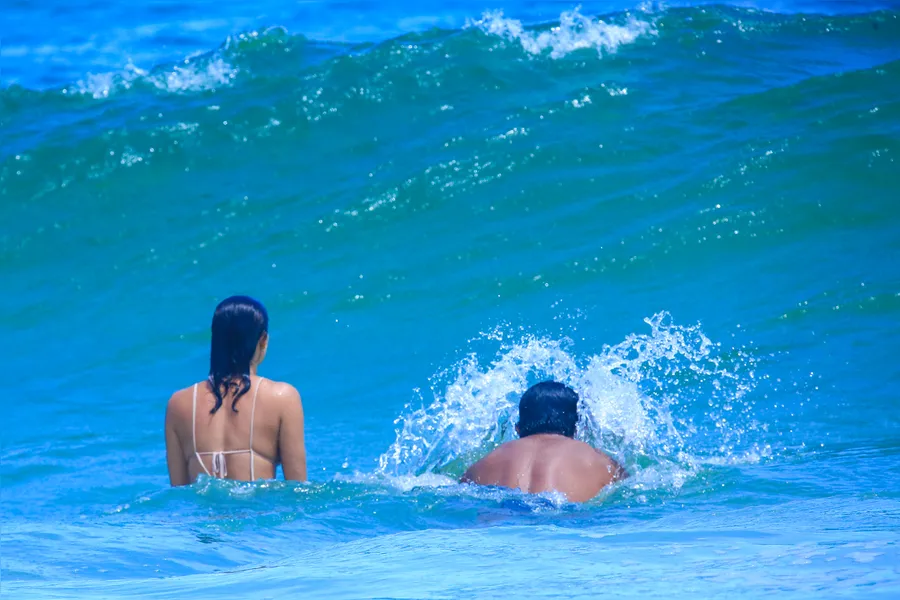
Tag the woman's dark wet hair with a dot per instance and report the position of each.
(548, 407)
(237, 326)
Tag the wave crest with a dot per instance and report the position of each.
(192, 75)
(574, 32)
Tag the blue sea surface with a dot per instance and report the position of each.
(690, 212)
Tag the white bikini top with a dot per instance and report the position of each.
(219, 468)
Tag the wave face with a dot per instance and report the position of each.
(687, 212)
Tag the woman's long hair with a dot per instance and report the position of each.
(237, 326)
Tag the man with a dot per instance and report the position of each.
(546, 456)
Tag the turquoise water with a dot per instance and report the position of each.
(688, 213)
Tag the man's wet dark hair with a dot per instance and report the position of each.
(548, 407)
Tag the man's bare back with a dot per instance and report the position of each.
(547, 457)
(547, 462)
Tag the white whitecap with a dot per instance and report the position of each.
(574, 32)
(196, 75)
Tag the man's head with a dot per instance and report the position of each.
(548, 407)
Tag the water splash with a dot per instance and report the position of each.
(667, 402)
(574, 32)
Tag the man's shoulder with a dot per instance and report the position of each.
(586, 449)
(583, 454)
(599, 461)
(491, 461)
(498, 454)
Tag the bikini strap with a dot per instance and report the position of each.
(252, 419)
(253, 410)
(194, 422)
(194, 433)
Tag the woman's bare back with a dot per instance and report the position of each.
(219, 444)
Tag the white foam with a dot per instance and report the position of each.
(402, 483)
(574, 32)
(101, 85)
(130, 157)
(194, 75)
(864, 557)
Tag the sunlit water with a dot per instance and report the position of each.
(688, 213)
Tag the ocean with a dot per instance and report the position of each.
(689, 212)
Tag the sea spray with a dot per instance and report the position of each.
(670, 399)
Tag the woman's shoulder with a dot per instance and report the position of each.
(188, 392)
(280, 390)
(180, 402)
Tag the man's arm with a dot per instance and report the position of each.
(291, 443)
(618, 471)
(178, 467)
(471, 475)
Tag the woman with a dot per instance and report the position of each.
(236, 425)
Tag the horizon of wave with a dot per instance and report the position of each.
(573, 31)
(211, 70)
(637, 399)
